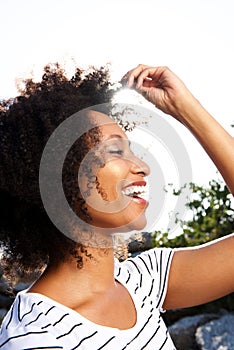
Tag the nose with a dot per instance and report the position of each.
(139, 166)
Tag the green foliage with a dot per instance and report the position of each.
(212, 217)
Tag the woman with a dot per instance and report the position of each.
(85, 299)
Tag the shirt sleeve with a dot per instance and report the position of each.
(18, 338)
(152, 269)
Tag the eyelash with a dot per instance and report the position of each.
(117, 151)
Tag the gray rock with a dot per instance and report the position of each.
(3, 312)
(21, 286)
(5, 301)
(132, 245)
(140, 241)
(183, 331)
(3, 285)
(217, 334)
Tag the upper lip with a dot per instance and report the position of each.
(136, 183)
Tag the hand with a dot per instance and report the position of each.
(168, 93)
(162, 87)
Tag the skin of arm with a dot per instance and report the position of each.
(204, 273)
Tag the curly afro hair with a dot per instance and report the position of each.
(28, 238)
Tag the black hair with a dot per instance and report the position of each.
(28, 238)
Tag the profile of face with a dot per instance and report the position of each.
(117, 198)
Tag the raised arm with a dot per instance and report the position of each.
(167, 92)
(204, 273)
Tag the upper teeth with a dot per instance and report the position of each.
(133, 190)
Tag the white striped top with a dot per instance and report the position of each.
(37, 322)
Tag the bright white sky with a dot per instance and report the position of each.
(195, 38)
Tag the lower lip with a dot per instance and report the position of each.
(139, 200)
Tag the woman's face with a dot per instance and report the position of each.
(117, 200)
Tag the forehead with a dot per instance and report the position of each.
(107, 125)
(110, 131)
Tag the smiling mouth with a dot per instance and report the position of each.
(138, 193)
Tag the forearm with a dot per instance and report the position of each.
(168, 93)
(216, 141)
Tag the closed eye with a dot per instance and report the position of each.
(116, 151)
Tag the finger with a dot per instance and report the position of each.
(135, 73)
(145, 77)
(131, 76)
(125, 80)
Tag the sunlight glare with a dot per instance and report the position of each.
(125, 95)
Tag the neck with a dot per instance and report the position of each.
(69, 285)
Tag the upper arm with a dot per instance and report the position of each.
(201, 274)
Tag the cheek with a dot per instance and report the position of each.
(111, 176)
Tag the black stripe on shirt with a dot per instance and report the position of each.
(137, 271)
(137, 335)
(162, 346)
(45, 347)
(160, 274)
(165, 278)
(51, 308)
(143, 302)
(133, 262)
(129, 275)
(21, 335)
(18, 314)
(27, 313)
(145, 264)
(141, 280)
(11, 315)
(150, 338)
(63, 335)
(108, 341)
(41, 313)
(151, 264)
(156, 260)
(89, 336)
(49, 324)
(60, 319)
(152, 285)
(163, 343)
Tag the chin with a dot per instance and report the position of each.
(138, 224)
(121, 223)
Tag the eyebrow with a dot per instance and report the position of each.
(117, 136)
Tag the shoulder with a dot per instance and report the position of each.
(21, 327)
(151, 261)
(19, 337)
(146, 274)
